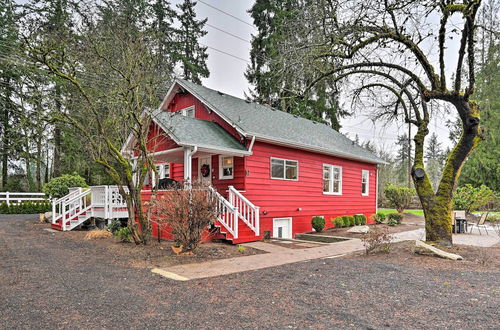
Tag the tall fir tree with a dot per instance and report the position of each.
(190, 54)
(276, 82)
(8, 75)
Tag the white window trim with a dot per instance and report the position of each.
(284, 169)
(330, 188)
(367, 172)
(185, 111)
(221, 172)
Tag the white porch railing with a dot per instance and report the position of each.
(19, 197)
(109, 199)
(247, 211)
(227, 213)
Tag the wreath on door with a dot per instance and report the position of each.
(205, 170)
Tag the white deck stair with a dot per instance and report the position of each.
(81, 204)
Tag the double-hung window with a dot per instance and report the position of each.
(284, 169)
(226, 167)
(365, 180)
(332, 179)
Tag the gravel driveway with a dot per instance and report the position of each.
(49, 281)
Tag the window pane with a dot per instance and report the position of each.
(326, 185)
(227, 171)
(326, 172)
(277, 168)
(291, 172)
(227, 161)
(363, 188)
(167, 170)
(336, 186)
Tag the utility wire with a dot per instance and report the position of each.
(226, 13)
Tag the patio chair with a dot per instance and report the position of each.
(461, 216)
(480, 224)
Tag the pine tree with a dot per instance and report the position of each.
(189, 53)
(164, 34)
(402, 159)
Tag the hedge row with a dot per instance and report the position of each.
(25, 208)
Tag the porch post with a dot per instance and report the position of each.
(187, 165)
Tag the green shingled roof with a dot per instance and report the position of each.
(190, 131)
(253, 119)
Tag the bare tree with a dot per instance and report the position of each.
(393, 55)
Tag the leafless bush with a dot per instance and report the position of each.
(187, 213)
(377, 240)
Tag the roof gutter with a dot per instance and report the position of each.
(251, 144)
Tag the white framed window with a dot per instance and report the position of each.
(284, 169)
(365, 181)
(226, 167)
(188, 112)
(332, 179)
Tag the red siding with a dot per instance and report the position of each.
(182, 101)
(281, 198)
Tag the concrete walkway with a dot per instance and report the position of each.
(278, 255)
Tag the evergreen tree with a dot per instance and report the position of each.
(401, 159)
(434, 157)
(164, 33)
(189, 53)
(278, 83)
(8, 76)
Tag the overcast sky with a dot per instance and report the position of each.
(229, 57)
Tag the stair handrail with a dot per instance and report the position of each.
(77, 205)
(60, 201)
(247, 211)
(227, 214)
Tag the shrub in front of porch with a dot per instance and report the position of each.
(187, 213)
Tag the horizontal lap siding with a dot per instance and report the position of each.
(182, 101)
(282, 198)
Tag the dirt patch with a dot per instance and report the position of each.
(475, 258)
(160, 254)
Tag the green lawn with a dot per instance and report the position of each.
(416, 212)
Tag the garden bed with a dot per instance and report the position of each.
(475, 258)
(159, 254)
(316, 237)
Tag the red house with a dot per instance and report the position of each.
(273, 171)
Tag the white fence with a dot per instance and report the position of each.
(13, 198)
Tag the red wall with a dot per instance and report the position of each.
(282, 198)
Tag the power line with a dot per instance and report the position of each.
(226, 53)
(228, 33)
(226, 13)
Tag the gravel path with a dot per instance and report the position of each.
(49, 281)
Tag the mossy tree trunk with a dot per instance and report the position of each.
(438, 205)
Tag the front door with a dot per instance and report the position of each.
(282, 228)
(205, 170)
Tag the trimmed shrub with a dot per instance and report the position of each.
(378, 217)
(394, 219)
(399, 197)
(59, 187)
(360, 219)
(338, 222)
(318, 223)
(348, 221)
(25, 208)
